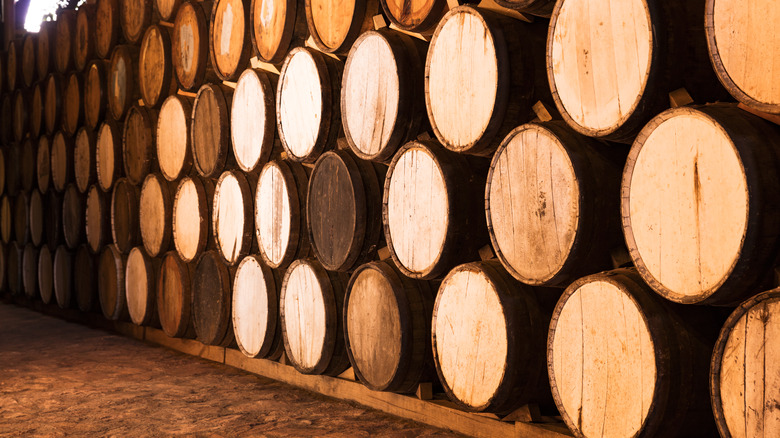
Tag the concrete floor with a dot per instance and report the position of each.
(63, 379)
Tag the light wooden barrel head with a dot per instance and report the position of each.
(231, 216)
(167, 8)
(52, 101)
(744, 380)
(533, 205)
(155, 215)
(416, 211)
(45, 275)
(139, 286)
(84, 41)
(30, 270)
(98, 219)
(61, 161)
(228, 45)
(301, 98)
(111, 283)
(85, 279)
(135, 17)
(272, 25)
(278, 217)
(190, 219)
(210, 130)
(255, 307)
(155, 71)
(6, 219)
(190, 45)
(66, 30)
(602, 360)
(370, 96)
(138, 142)
(173, 296)
(173, 137)
(44, 55)
(28, 59)
(73, 210)
(95, 97)
(211, 300)
(685, 204)
(597, 81)
(21, 219)
(253, 119)
(84, 159)
(121, 82)
(108, 156)
(461, 99)
(732, 30)
(63, 276)
(107, 29)
(36, 109)
(124, 215)
(43, 165)
(334, 24)
(37, 218)
(416, 15)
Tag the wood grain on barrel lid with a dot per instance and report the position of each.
(229, 47)
(21, 218)
(300, 105)
(139, 286)
(84, 159)
(6, 219)
(733, 30)
(30, 270)
(685, 203)
(335, 24)
(461, 81)
(12, 170)
(52, 102)
(370, 94)
(98, 219)
(44, 55)
(232, 216)
(95, 97)
(61, 160)
(255, 306)
(45, 275)
(155, 214)
(124, 215)
(533, 203)
(20, 116)
(108, 156)
(121, 81)
(54, 224)
(601, 55)
(84, 42)
(135, 17)
(138, 143)
(63, 55)
(305, 316)
(417, 209)
(190, 219)
(173, 296)
(602, 360)
(414, 14)
(73, 210)
(43, 165)
(155, 71)
(27, 164)
(3, 170)
(28, 59)
(111, 283)
(37, 218)
(36, 109)
(6, 113)
(210, 130)
(275, 220)
(190, 45)
(167, 8)
(470, 336)
(107, 29)
(253, 119)
(211, 300)
(273, 22)
(13, 63)
(63, 276)
(744, 376)
(173, 137)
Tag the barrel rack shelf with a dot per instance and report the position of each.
(438, 412)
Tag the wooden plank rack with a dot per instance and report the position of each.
(437, 413)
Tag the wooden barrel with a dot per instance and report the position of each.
(27, 156)
(210, 129)
(13, 65)
(3, 267)
(123, 90)
(21, 114)
(37, 217)
(63, 277)
(415, 15)
(501, 91)
(307, 104)
(52, 103)
(108, 156)
(382, 104)
(63, 41)
(311, 310)
(625, 77)
(53, 223)
(6, 113)
(167, 9)
(190, 45)
(138, 147)
(85, 279)
(280, 217)
(13, 177)
(744, 369)
(253, 119)
(43, 164)
(84, 42)
(256, 323)
(107, 29)
(155, 68)
(387, 325)
(30, 271)
(3, 172)
(28, 58)
(705, 169)
(21, 219)
(6, 219)
(14, 267)
(111, 283)
(140, 287)
(343, 210)
(624, 362)
(489, 334)
(229, 43)
(334, 24)
(45, 275)
(98, 220)
(154, 210)
(232, 215)
(134, 18)
(72, 108)
(84, 167)
(192, 206)
(174, 153)
(211, 300)
(552, 205)
(44, 54)
(275, 27)
(95, 93)
(174, 297)
(125, 229)
(36, 109)
(73, 217)
(61, 161)
(431, 215)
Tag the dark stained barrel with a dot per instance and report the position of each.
(107, 29)
(111, 283)
(53, 223)
(84, 167)
(21, 219)
(210, 129)
(85, 279)
(95, 93)
(28, 59)
(155, 68)
(66, 30)
(134, 17)
(37, 217)
(14, 261)
(43, 164)
(63, 277)
(125, 228)
(174, 297)
(123, 90)
(73, 217)
(21, 114)
(27, 157)
(61, 161)
(138, 143)
(72, 105)
(45, 275)
(30, 271)
(84, 42)
(52, 102)
(36, 109)
(211, 300)
(44, 54)
(98, 219)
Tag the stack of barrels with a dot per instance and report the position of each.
(524, 202)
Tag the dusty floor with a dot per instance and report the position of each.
(62, 379)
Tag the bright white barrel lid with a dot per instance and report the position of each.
(253, 119)
(255, 307)
(277, 214)
(232, 208)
